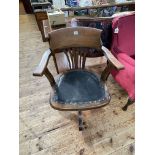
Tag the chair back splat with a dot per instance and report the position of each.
(76, 43)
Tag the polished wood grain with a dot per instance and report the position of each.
(76, 44)
(39, 71)
(40, 15)
(75, 37)
(112, 60)
(112, 63)
(61, 59)
(47, 28)
(67, 107)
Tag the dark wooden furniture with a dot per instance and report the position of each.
(27, 6)
(40, 15)
(45, 29)
(98, 63)
(43, 23)
(77, 89)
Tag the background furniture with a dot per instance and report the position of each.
(43, 21)
(41, 4)
(40, 9)
(102, 23)
(27, 6)
(129, 5)
(77, 89)
(123, 48)
(40, 15)
(56, 18)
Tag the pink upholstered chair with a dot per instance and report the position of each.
(123, 48)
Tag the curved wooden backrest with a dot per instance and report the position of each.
(75, 44)
(75, 37)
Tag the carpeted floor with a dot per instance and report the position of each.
(45, 131)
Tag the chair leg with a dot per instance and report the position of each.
(129, 102)
(82, 123)
(80, 120)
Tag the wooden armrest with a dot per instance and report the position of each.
(113, 61)
(39, 71)
(46, 28)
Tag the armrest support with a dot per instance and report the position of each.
(111, 59)
(40, 69)
(46, 28)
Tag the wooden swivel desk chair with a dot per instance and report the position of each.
(77, 89)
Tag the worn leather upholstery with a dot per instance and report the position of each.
(79, 86)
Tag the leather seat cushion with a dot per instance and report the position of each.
(79, 86)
